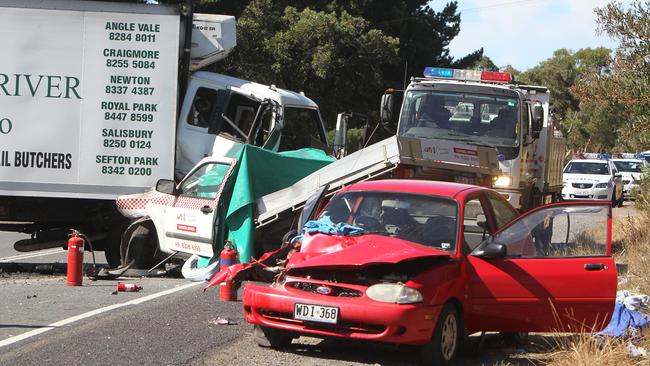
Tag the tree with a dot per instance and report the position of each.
(624, 90)
(342, 54)
(484, 64)
(560, 74)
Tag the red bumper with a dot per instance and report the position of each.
(359, 317)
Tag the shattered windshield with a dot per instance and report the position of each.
(426, 220)
(474, 118)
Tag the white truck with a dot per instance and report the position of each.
(96, 101)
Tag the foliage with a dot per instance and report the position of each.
(626, 89)
(341, 54)
(560, 73)
(484, 64)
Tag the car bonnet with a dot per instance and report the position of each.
(358, 251)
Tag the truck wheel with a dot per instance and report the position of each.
(141, 248)
(444, 344)
(269, 337)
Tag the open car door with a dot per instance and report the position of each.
(550, 269)
(190, 222)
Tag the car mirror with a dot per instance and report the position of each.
(492, 250)
(166, 186)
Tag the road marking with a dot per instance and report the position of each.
(91, 313)
(32, 255)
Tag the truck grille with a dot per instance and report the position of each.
(582, 185)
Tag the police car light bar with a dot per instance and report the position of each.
(472, 75)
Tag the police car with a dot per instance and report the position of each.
(630, 170)
(592, 179)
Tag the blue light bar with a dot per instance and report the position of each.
(438, 72)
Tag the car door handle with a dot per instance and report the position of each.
(206, 209)
(595, 266)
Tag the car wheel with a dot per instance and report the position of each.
(270, 337)
(614, 200)
(444, 344)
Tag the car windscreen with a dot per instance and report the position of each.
(423, 219)
(629, 166)
(577, 167)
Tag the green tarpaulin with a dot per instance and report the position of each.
(257, 173)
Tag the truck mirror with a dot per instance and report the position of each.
(537, 122)
(220, 107)
(166, 186)
(340, 135)
(386, 108)
(390, 103)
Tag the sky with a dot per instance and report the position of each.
(523, 33)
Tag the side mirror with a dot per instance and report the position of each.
(340, 135)
(390, 101)
(537, 122)
(166, 186)
(492, 250)
(386, 108)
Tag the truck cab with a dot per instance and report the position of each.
(221, 113)
(487, 109)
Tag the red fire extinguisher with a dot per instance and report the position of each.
(75, 259)
(228, 257)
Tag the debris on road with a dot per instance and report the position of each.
(222, 321)
(128, 287)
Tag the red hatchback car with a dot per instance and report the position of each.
(424, 263)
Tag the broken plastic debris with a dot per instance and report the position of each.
(222, 321)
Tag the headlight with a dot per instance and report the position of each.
(503, 181)
(602, 185)
(394, 293)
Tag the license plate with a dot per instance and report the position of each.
(581, 193)
(316, 313)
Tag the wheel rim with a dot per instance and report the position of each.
(449, 337)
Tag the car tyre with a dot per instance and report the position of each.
(446, 338)
(272, 338)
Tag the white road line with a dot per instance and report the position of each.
(73, 319)
(32, 255)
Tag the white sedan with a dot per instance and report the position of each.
(631, 173)
(592, 179)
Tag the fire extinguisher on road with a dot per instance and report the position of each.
(75, 259)
(228, 257)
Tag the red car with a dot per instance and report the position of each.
(424, 263)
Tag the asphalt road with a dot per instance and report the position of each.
(169, 322)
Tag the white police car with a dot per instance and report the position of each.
(592, 179)
(630, 170)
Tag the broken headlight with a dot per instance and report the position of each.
(393, 293)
